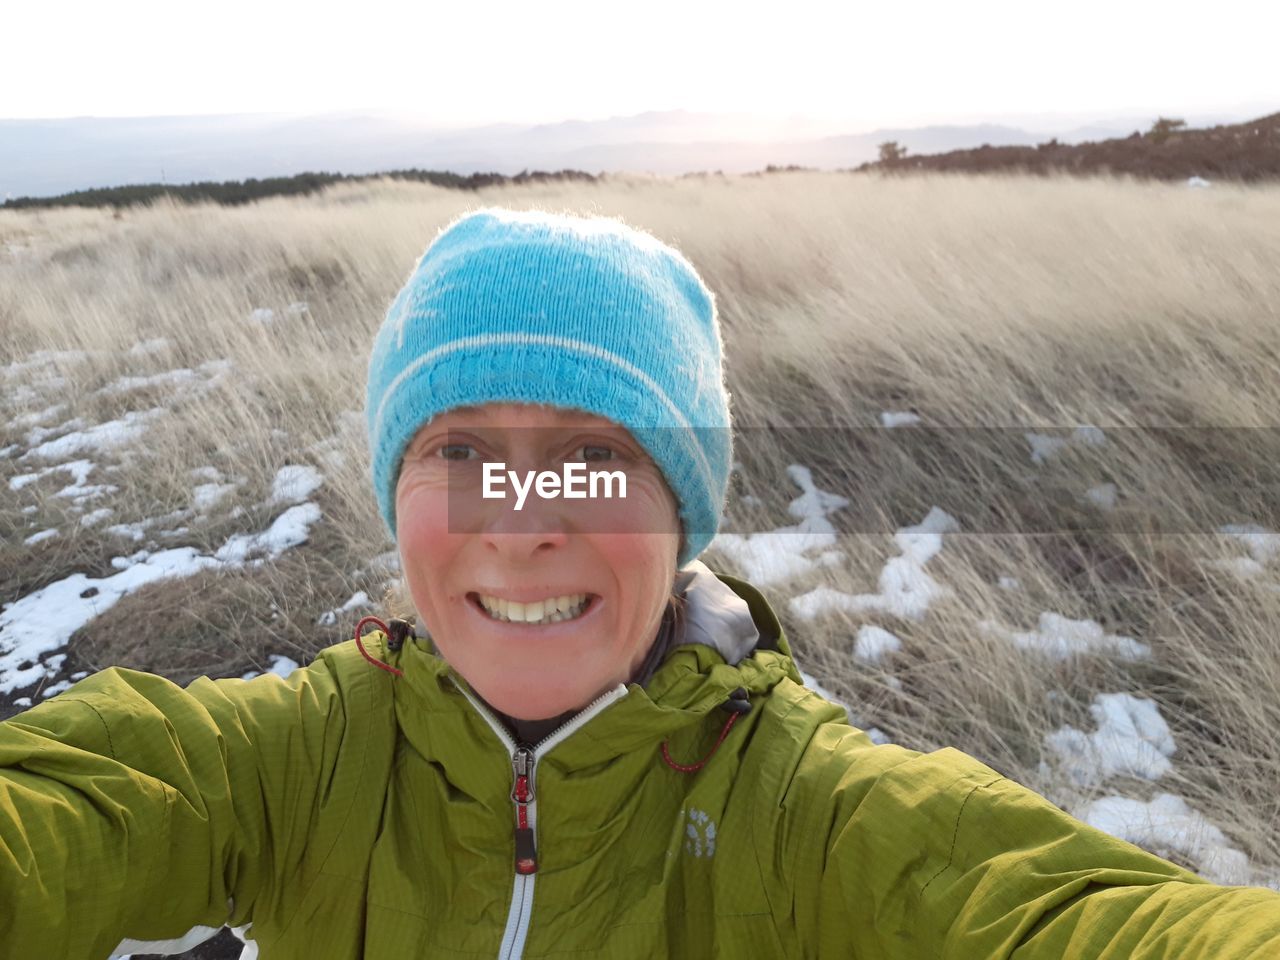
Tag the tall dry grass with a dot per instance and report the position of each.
(976, 302)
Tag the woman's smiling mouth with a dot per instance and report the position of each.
(555, 609)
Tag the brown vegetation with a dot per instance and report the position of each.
(976, 302)
(1244, 152)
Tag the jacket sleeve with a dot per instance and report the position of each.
(132, 808)
(894, 854)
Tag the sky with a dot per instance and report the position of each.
(870, 64)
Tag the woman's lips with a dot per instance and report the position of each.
(593, 603)
(527, 594)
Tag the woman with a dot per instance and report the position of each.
(598, 747)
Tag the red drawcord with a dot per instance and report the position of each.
(690, 768)
(374, 660)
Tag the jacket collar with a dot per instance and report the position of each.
(732, 639)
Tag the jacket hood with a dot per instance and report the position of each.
(731, 639)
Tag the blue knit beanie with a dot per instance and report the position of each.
(575, 312)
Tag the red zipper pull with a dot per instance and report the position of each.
(522, 794)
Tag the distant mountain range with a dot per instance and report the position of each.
(1247, 151)
(41, 158)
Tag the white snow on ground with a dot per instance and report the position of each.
(33, 419)
(37, 435)
(1044, 447)
(41, 361)
(874, 643)
(137, 531)
(147, 347)
(281, 666)
(206, 496)
(289, 529)
(294, 482)
(1263, 544)
(787, 552)
(1103, 496)
(1009, 583)
(1243, 568)
(40, 537)
(1166, 823)
(906, 589)
(102, 436)
(330, 617)
(79, 470)
(297, 307)
(875, 733)
(1197, 182)
(1132, 739)
(891, 418)
(1089, 435)
(263, 315)
(42, 622)
(164, 378)
(96, 516)
(1061, 638)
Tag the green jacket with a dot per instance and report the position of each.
(345, 813)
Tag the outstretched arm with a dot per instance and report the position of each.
(132, 808)
(890, 853)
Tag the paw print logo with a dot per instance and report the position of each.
(700, 834)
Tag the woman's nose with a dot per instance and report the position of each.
(536, 527)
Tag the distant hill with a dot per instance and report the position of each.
(1242, 151)
(234, 192)
(49, 158)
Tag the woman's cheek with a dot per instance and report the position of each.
(422, 512)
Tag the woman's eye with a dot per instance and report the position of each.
(593, 453)
(456, 451)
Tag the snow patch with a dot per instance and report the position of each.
(1262, 544)
(1103, 496)
(1044, 447)
(206, 496)
(1061, 638)
(874, 643)
(290, 529)
(147, 347)
(280, 665)
(295, 482)
(163, 379)
(35, 626)
(786, 552)
(906, 589)
(95, 517)
(1167, 824)
(330, 617)
(891, 419)
(103, 436)
(1132, 739)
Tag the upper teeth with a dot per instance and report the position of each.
(551, 610)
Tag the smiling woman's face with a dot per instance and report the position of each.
(488, 579)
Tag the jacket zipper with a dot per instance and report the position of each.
(524, 760)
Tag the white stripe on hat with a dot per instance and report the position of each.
(541, 339)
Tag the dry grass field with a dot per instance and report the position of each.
(991, 308)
